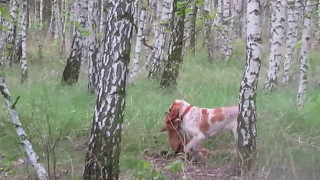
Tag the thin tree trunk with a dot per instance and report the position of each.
(11, 33)
(72, 69)
(226, 32)
(93, 44)
(289, 41)
(157, 52)
(136, 57)
(32, 155)
(304, 54)
(22, 23)
(102, 158)
(193, 20)
(209, 39)
(175, 55)
(247, 116)
(277, 32)
(156, 31)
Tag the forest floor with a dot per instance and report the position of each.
(288, 138)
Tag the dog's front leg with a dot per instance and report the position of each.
(195, 142)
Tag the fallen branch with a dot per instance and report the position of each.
(33, 157)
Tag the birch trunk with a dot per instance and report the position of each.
(277, 30)
(208, 33)
(102, 158)
(175, 55)
(193, 20)
(156, 31)
(190, 29)
(32, 155)
(247, 117)
(11, 33)
(93, 44)
(156, 55)
(317, 40)
(72, 69)
(226, 35)
(298, 14)
(22, 24)
(304, 54)
(135, 66)
(290, 42)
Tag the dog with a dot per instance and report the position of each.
(188, 125)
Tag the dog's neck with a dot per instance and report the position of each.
(184, 110)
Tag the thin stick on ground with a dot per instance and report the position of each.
(33, 157)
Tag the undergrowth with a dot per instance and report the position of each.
(288, 138)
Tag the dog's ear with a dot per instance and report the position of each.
(175, 110)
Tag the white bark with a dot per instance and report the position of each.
(289, 41)
(157, 52)
(93, 44)
(317, 41)
(102, 158)
(22, 23)
(32, 155)
(208, 30)
(247, 116)
(10, 39)
(304, 54)
(298, 15)
(136, 57)
(226, 32)
(156, 30)
(277, 32)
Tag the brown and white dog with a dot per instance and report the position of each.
(189, 125)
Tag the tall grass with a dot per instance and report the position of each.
(288, 138)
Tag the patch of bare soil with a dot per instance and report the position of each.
(201, 170)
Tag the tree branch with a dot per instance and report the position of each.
(33, 157)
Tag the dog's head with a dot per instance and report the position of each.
(177, 137)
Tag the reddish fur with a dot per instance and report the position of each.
(217, 115)
(174, 110)
(204, 125)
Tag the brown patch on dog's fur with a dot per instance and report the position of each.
(217, 115)
(175, 110)
(204, 125)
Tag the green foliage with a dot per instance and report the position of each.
(175, 166)
(288, 139)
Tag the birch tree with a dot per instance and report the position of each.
(247, 117)
(72, 68)
(304, 54)
(175, 56)
(277, 32)
(11, 33)
(157, 52)
(190, 28)
(208, 31)
(135, 65)
(226, 35)
(22, 24)
(93, 44)
(290, 41)
(32, 155)
(102, 158)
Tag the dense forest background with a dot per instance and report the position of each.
(54, 53)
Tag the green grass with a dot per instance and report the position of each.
(288, 138)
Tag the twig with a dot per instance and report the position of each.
(33, 157)
(15, 102)
(145, 43)
(186, 38)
